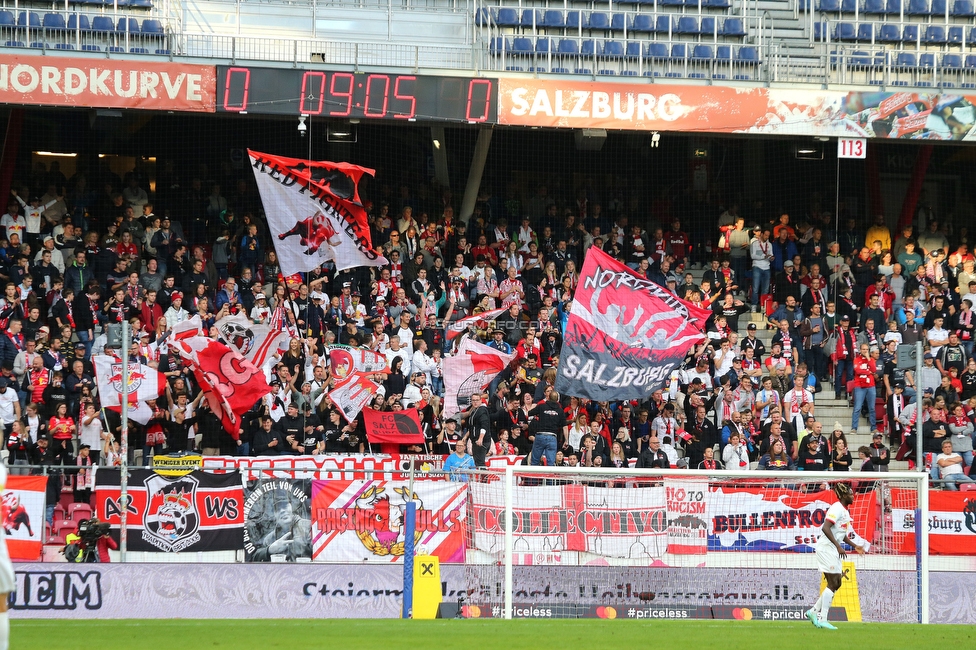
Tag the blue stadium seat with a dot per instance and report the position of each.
(138, 50)
(733, 27)
(613, 49)
(679, 51)
(54, 22)
(64, 46)
(130, 25)
(507, 18)
(115, 49)
(889, 34)
(845, 32)
(707, 27)
(102, 24)
(910, 34)
(553, 19)
(702, 53)
(873, 7)
(860, 59)
(482, 18)
(820, 30)
(522, 45)
(38, 45)
(29, 19)
(954, 35)
(906, 61)
(643, 24)
(926, 61)
(716, 4)
(628, 73)
(141, 4)
(663, 25)
(498, 44)
(865, 33)
(952, 62)
(591, 48)
(633, 50)
(599, 20)
(618, 22)
(14, 44)
(582, 71)
(748, 55)
(917, 8)
(723, 53)
(656, 51)
(963, 8)
(531, 18)
(606, 72)
(971, 37)
(568, 47)
(934, 35)
(848, 6)
(7, 19)
(152, 26)
(91, 48)
(560, 70)
(573, 20)
(687, 25)
(670, 3)
(893, 7)
(831, 6)
(76, 21)
(938, 8)
(543, 45)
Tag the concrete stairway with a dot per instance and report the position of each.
(787, 32)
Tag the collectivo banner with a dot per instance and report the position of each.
(951, 525)
(23, 516)
(107, 83)
(199, 511)
(626, 523)
(625, 334)
(567, 103)
(363, 521)
(278, 525)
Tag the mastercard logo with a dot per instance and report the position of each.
(742, 614)
(471, 611)
(606, 612)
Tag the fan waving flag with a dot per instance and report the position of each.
(145, 383)
(314, 212)
(352, 394)
(230, 382)
(345, 360)
(472, 368)
(458, 327)
(255, 342)
(625, 334)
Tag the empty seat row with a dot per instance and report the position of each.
(37, 45)
(53, 22)
(960, 8)
(568, 47)
(646, 23)
(870, 33)
(512, 17)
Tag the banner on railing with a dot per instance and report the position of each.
(23, 515)
(107, 83)
(364, 521)
(395, 467)
(200, 511)
(278, 525)
(951, 525)
(569, 103)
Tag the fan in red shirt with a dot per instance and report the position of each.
(60, 425)
(679, 243)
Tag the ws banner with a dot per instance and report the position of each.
(278, 525)
(364, 521)
(196, 512)
(625, 334)
(23, 516)
(778, 519)
(626, 523)
(951, 524)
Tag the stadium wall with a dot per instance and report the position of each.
(218, 591)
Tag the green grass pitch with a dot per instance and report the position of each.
(480, 634)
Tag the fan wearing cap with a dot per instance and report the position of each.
(356, 311)
(176, 314)
(838, 528)
(260, 313)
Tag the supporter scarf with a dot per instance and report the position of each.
(94, 310)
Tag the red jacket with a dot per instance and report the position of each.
(864, 369)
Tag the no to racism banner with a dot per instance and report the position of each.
(625, 334)
(106, 83)
(23, 516)
(574, 104)
(199, 511)
(364, 521)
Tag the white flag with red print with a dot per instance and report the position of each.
(230, 382)
(145, 383)
(255, 342)
(314, 212)
(455, 328)
(472, 369)
(352, 394)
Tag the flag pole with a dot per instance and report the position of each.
(124, 476)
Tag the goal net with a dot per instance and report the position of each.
(679, 544)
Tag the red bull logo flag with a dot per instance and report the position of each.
(345, 360)
(145, 383)
(625, 334)
(314, 212)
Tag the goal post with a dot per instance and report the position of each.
(605, 542)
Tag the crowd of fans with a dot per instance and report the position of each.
(76, 256)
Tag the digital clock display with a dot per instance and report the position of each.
(273, 91)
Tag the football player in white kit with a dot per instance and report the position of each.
(7, 584)
(837, 528)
